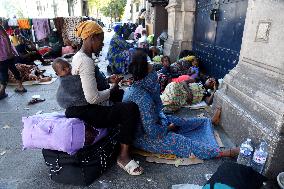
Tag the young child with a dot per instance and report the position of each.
(193, 71)
(70, 89)
(166, 62)
(61, 67)
(164, 75)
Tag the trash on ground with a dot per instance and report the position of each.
(2, 153)
(208, 176)
(39, 112)
(6, 127)
(177, 162)
(35, 96)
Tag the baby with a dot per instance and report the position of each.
(193, 71)
(61, 67)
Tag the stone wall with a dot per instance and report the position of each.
(180, 27)
(252, 95)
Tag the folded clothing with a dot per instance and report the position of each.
(56, 132)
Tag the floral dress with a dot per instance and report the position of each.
(118, 54)
(195, 135)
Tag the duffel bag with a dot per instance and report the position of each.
(56, 132)
(86, 165)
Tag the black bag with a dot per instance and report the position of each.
(86, 165)
(236, 176)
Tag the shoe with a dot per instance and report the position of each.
(4, 95)
(20, 91)
(36, 100)
(130, 167)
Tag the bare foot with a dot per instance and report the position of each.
(217, 116)
(232, 152)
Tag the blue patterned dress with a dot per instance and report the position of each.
(195, 136)
(118, 55)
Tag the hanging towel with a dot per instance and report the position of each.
(59, 22)
(13, 22)
(24, 24)
(68, 32)
(41, 28)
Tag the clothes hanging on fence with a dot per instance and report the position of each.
(68, 32)
(41, 28)
(13, 22)
(24, 24)
(59, 22)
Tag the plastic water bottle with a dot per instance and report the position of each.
(246, 151)
(259, 157)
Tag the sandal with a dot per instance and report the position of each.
(36, 100)
(130, 167)
(4, 95)
(20, 91)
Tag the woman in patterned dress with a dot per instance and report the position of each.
(118, 53)
(163, 134)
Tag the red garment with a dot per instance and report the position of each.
(10, 31)
(44, 50)
(181, 78)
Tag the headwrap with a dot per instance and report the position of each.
(118, 29)
(88, 28)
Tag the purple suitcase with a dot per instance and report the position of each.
(55, 132)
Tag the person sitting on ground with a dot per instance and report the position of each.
(94, 109)
(8, 56)
(28, 52)
(178, 94)
(193, 71)
(192, 74)
(29, 73)
(165, 74)
(163, 134)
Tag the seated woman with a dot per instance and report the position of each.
(28, 52)
(95, 110)
(29, 73)
(118, 54)
(168, 134)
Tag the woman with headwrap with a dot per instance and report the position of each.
(94, 109)
(118, 53)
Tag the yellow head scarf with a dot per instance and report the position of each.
(88, 28)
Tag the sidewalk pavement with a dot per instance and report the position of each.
(25, 169)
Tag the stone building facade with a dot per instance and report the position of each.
(252, 95)
(180, 26)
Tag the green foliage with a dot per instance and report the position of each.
(114, 9)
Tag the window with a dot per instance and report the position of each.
(137, 7)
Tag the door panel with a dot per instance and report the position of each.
(218, 43)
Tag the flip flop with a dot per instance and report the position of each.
(20, 91)
(3, 96)
(130, 167)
